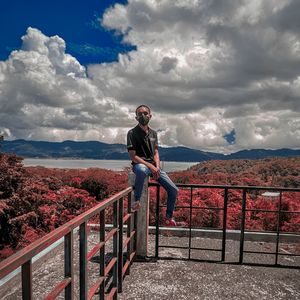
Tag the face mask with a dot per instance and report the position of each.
(143, 120)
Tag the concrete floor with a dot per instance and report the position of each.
(179, 279)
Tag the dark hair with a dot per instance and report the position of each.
(143, 105)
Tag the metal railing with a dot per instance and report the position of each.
(117, 265)
(243, 230)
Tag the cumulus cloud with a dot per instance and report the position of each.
(207, 69)
(46, 95)
(217, 66)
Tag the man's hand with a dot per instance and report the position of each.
(155, 172)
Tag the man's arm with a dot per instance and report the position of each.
(156, 158)
(135, 158)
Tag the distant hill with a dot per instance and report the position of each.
(271, 171)
(99, 150)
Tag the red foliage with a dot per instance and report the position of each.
(267, 172)
(36, 200)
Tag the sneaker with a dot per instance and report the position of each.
(135, 206)
(172, 223)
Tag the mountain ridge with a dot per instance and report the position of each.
(100, 150)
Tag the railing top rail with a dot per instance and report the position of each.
(236, 187)
(25, 254)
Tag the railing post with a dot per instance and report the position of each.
(83, 274)
(243, 219)
(27, 280)
(120, 252)
(129, 227)
(142, 218)
(224, 223)
(69, 265)
(190, 227)
(157, 221)
(102, 254)
(278, 228)
(116, 245)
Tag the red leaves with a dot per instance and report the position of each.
(284, 172)
(34, 201)
(12, 175)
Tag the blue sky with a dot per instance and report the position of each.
(219, 75)
(77, 22)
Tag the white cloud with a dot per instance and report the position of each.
(205, 68)
(46, 95)
(217, 65)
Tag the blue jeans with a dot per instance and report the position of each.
(141, 172)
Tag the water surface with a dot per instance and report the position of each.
(115, 165)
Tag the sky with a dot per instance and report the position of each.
(219, 76)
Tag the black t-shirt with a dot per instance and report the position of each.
(143, 143)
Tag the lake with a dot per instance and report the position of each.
(115, 165)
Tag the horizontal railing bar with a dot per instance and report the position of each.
(16, 260)
(279, 253)
(263, 210)
(126, 217)
(239, 187)
(125, 267)
(187, 247)
(111, 234)
(127, 264)
(110, 265)
(132, 255)
(95, 287)
(206, 228)
(58, 289)
(200, 248)
(221, 208)
(226, 263)
(195, 207)
(175, 247)
(111, 294)
(209, 230)
(95, 250)
(229, 231)
(208, 207)
(274, 211)
(127, 240)
(259, 252)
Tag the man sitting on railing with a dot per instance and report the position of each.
(142, 145)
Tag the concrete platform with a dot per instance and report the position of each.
(189, 280)
(179, 279)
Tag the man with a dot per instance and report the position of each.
(142, 145)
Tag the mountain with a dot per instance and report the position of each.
(99, 150)
(67, 149)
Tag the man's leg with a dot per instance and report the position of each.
(171, 190)
(141, 172)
